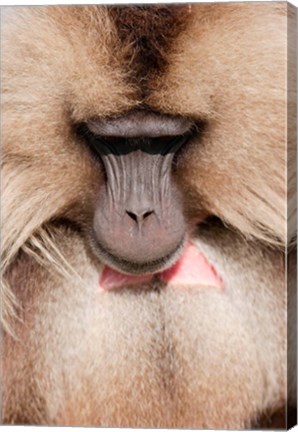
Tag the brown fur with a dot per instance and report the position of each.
(149, 31)
(145, 358)
(235, 86)
(148, 357)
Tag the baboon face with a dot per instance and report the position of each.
(144, 197)
(153, 121)
(139, 202)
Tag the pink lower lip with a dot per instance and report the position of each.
(111, 279)
(192, 268)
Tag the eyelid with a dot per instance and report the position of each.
(141, 124)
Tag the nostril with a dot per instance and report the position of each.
(148, 213)
(139, 217)
(132, 215)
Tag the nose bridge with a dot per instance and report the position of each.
(138, 180)
(139, 205)
(144, 179)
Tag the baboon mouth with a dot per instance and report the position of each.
(141, 269)
(192, 268)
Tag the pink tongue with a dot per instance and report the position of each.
(191, 269)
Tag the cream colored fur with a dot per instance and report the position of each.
(179, 357)
(188, 358)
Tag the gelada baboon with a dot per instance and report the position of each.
(144, 215)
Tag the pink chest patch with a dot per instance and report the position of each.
(192, 268)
